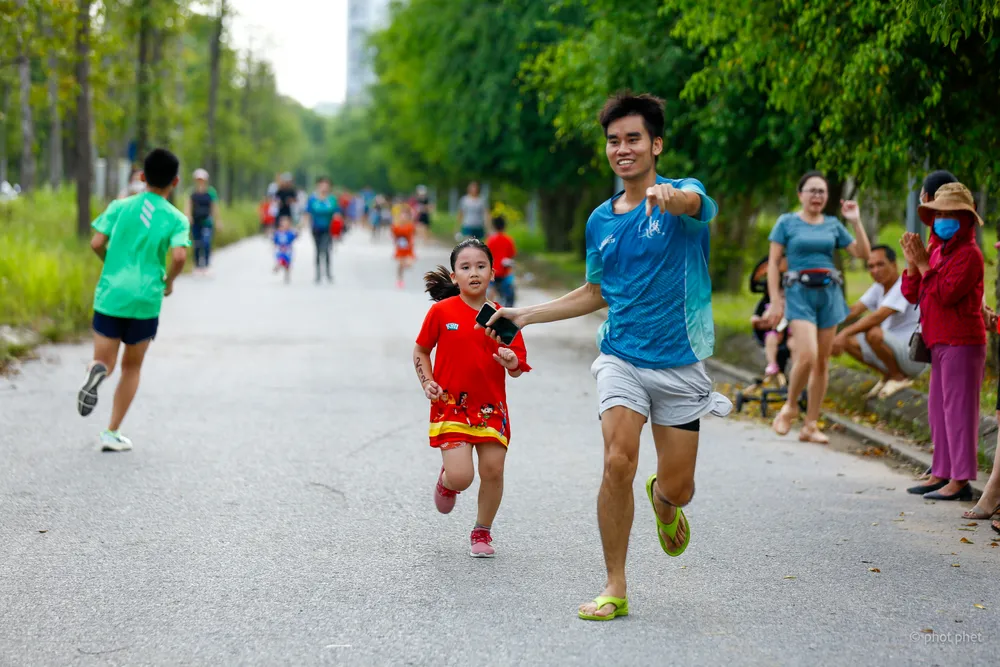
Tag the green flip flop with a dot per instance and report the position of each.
(621, 608)
(669, 528)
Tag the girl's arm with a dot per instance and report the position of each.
(422, 365)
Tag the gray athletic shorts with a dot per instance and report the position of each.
(667, 396)
(900, 349)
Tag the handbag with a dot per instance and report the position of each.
(918, 349)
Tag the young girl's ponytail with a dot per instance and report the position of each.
(439, 285)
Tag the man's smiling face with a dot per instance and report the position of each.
(630, 149)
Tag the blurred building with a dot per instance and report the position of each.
(363, 17)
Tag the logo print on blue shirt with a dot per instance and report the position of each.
(451, 326)
(650, 228)
(607, 241)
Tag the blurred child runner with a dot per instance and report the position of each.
(284, 237)
(771, 338)
(133, 238)
(403, 231)
(467, 386)
(504, 251)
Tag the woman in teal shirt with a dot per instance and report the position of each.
(321, 208)
(812, 300)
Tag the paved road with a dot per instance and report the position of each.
(277, 510)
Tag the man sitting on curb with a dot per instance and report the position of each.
(881, 339)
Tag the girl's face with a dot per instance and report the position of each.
(323, 188)
(813, 195)
(472, 272)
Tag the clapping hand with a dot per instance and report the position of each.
(915, 252)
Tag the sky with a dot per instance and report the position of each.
(305, 41)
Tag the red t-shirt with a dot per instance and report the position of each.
(502, 247)
(473, 407)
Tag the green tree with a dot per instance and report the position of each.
(449, 102)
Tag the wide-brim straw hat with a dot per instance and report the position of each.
(949, 197)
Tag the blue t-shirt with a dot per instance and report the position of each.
(322, 210)
(283, 240)
(653, 273)
(810, 246)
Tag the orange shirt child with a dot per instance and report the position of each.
(402, 238)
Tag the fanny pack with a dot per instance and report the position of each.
(813, 278)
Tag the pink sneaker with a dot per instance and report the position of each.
(400, 284)
(772, 370)
(481, 547)
(444, 498)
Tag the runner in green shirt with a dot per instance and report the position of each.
(133, 238)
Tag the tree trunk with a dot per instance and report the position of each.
(142, 81)
(161, 110)
(4, 113)
(737, 237)
(557, 206)
(835, 186)
(215, 62)
(55, 118)
(112, 186)
(84, 166)
(247, 118)
(28, 166)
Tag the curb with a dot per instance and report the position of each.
(902, 448)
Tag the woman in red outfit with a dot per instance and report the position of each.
(946, 281)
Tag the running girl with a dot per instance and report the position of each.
(467, 386)
(402, 240)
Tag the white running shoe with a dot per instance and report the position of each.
(86, 398)
(114, 441)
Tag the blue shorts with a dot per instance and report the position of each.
(473, 233)
(825, 307)
(129, 331)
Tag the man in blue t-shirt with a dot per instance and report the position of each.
(647, 262)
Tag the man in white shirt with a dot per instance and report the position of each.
(881, 338)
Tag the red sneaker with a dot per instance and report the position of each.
(444, 498)
(481, 547)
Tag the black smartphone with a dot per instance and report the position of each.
(504, 327)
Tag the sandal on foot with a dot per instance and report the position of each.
(620, 604)
(980, 514)
(669, 528)
(811, 433)
(995, 525)
(782, 423)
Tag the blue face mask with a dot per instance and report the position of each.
(945, 228)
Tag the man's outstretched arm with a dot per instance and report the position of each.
(581, 301)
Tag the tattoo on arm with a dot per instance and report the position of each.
(418, 364)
